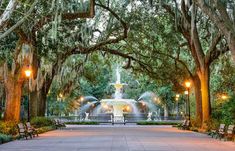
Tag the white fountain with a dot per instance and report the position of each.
(118, 104)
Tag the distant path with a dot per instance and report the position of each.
(119, 138)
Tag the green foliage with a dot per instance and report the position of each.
(8, 128)
(212, 124)
(83, 123)
(224, 111)
(5, 138)
(156, 123)
(38, 122)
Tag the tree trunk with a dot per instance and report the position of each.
(198, 97)
(13, 98)
(33, 104)
(42, 98)
(206, 107)
(42, 95)
(38, 102)
(166, 114)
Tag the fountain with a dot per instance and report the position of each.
(118, 104)
(145, 108)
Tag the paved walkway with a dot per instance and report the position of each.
(120, 138)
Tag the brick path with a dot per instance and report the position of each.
(119, 138)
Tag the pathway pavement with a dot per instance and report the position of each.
(119, 138)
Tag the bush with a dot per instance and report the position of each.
(156, 123)
(5, 138)
(8, 127)
(224, 111)
(41, 122)
(83, 123)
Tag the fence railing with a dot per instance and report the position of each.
(108, 118)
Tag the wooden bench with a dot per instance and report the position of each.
(230, 134)
(186, 125)
(180, 126)
(59, 124)
(218, 133)
(23, 132)
(31, 129)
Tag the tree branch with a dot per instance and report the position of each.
(7, 12)
(212, 48)
(20, 22)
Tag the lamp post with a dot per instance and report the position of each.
(81, 104)
(177, 96)
(188, 84)
(60, 98)
(82, 111)
(28, 74)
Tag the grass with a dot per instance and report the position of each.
(83, 123)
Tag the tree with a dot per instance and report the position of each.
(83, 43)
(222, 14)
(24, 53)
(203, 50)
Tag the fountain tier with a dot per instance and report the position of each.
(118, 105)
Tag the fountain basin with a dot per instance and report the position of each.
(117, 105)
(117, 101)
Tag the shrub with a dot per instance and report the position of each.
(5, 138)
(41, 122)
(8, 127)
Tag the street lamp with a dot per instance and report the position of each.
(28, 74)
(177, 96)
(81, 105)
(224, 97)
(188, 85)
(81, 100)
(60, 98)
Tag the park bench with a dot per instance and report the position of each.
(23, 132)
(31, 129)
(118, 120)
(184, 125)
(59, 124)
(180, 126)
(218, 133)
(230, 134)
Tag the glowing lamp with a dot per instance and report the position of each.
(28, 72)
(187, 84)
(82, 98)
(224, 97)
(61, 95)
